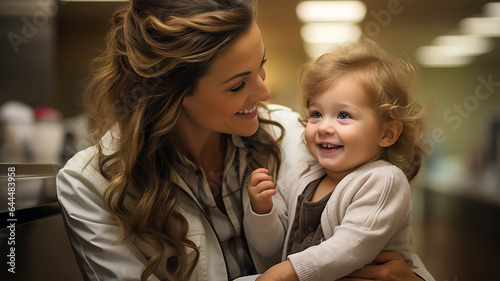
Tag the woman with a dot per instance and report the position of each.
(179, 124)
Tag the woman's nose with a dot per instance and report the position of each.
(266, 93)
(262, 92)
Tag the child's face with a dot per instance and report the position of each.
(343, 131)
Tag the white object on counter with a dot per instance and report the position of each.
(47, 141)
(17, 119)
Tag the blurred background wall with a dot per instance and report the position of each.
(47, 49)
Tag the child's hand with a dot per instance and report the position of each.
(260, 189)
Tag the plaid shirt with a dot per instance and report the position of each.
(227, 227)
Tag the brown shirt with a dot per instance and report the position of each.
(306, 228)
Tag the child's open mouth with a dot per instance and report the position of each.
(330, 146)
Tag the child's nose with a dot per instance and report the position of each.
(326, 127)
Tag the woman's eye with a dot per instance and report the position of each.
(263, 62)
(344, 115)
(239, 88)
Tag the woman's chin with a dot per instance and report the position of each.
(250, 131)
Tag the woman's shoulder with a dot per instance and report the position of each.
(86, 161)
(283, 115)
(82, 173)
(80, 160)
(293, 149)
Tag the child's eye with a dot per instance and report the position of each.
(316, 115)
(344, 115)
(239, 88)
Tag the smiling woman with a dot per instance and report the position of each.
(226, 97)
(164, 197)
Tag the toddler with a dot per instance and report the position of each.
(334, 215)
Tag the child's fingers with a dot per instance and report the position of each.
(263, 188)
(267, 193)
(256, 190)
(259, 177)
(260, 171)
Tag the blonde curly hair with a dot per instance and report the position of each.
(386, 78)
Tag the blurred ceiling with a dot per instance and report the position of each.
(417, 24)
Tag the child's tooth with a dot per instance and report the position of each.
(328, 145)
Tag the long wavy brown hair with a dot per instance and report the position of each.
(388, 80)
(156, 52)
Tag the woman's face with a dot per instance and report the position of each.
(226, 98)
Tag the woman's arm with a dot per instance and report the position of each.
(390, 267)
(93, 233)
(281, 272)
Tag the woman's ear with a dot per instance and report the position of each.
(392, 130)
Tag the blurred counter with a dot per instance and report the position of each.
(31, 186)
(452, 176)
(460, 230)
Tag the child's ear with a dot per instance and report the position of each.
(392, 130)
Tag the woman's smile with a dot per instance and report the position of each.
(247, 113)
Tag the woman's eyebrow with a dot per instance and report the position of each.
(236, 76)
(244, 73)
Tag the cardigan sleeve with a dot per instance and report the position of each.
(266, 232)
(378, 209)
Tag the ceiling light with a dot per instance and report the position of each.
(442, 56)
(331, 11)
(314, 50)
(481, 26)
(492, 9)
(330, 32)
(468, 45)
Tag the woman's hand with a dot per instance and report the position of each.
(280, 272)
(390, 267)
(260, 190)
